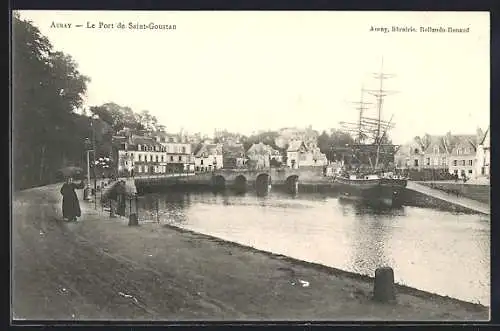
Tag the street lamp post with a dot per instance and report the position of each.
(86, 191)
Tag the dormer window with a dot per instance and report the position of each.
(436, 150)
(416, 151)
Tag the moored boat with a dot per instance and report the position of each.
(373, 189)
(375, 184)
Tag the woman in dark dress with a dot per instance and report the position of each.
(70, 205)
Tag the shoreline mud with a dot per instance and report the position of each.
(400, 288)
(179, 274)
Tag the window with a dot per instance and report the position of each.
(171, 158)
(416, 163)
(140, 158)
(416, 151)
(455, 163)
(171, 140)
(443, 161)
(139, 147)
(470, 162)
(162, 158)
(162, 139)
(436, 161)
(463, 162)
(470, 171)
(201, 162)
(183, 150)
(180, 158)
(131, 155)
(428, 161)
(436, 150)
(156, 158)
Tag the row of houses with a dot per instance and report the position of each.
(160, 153)
(462, 155)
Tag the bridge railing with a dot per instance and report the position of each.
(181, 174)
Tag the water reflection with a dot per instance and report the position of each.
(437, 251)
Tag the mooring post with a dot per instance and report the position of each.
(383, 289)
(111, 208)
(132, 217)
(157, 210)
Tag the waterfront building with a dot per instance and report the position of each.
(462, 159)
(233, 155)
(410, 155)
(435, 153)
(300, 154)
(178, 148)
(483, 156)
(261, 155)
(138, 155)
(286, 135)
(208, 157)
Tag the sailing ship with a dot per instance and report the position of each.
(369, 179)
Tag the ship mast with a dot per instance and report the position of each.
(379, 95)
(362, 106)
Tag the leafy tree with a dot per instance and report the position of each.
(47, 88)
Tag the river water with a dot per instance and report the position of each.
(432, 250)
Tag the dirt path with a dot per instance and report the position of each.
(99, 268)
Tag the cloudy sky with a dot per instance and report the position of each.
(248, 71)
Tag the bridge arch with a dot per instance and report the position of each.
(292, 183)
(218, 181)
(240, 183)
(263, 178)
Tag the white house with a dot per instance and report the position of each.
(208, 157)
(300, 155)
(483, 156)
(262, 154)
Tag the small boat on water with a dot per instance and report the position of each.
(375, 184)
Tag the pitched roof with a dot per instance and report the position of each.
(261, 148)
(485, 141)
(458, 139)
(210, 149)
(436, 140)
(233, 149)
(148, 141)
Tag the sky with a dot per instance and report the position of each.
(247, 71)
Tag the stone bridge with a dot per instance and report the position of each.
(236, 178)
(280, 176)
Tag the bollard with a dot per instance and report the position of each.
(111, 208)
(86, 194)
(132, 220)
(383, 289)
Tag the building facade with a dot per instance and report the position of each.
(301, 155)
(178, 149)
(208, 157)
(261, 155)
(233, 155)
(462, 159)
(138, 155)
(483, 156)
(435, 154)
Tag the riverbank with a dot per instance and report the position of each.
(174, 274)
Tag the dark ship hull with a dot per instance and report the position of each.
(377, 191)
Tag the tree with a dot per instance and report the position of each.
(47, 88)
